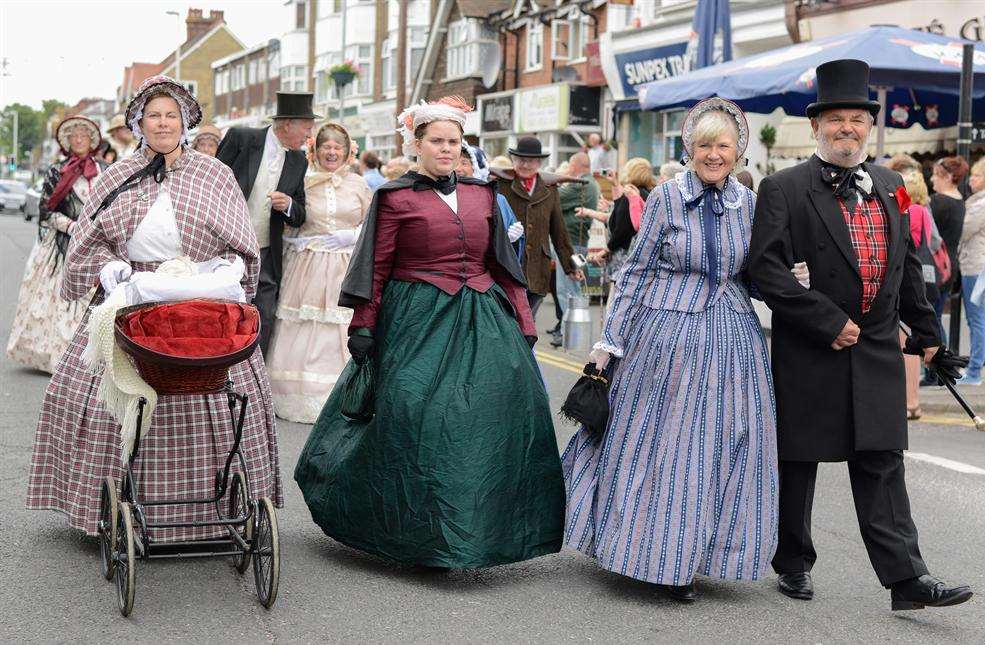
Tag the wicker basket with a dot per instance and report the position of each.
(169, 374)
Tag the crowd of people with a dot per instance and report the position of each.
(430, 269)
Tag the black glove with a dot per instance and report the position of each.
(361, 347)
(531, 340)
(947, 365)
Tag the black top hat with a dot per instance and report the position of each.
(842, 84)
(528, 147)
(294, 105)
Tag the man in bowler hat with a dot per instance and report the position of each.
(837, 366)
(533, 196)
(269, 164)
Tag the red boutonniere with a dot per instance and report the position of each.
(902, 199)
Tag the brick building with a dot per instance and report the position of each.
(245, 85)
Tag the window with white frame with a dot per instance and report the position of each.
(416, 43)
(252, 78)
(293, 78)
(217, 83)
(386, 59)
(463, 41)
(362, 57)
(273, 64)
(568, 38)
(261, 70)
(535, 46)
(385, 146)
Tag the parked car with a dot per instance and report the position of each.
(32, 206)
(13, 195)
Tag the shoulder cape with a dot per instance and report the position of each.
(357, 287)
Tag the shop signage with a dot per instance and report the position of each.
(497, 114)
(978, 132)
(584, 105)
(542, 109)
(654, 64)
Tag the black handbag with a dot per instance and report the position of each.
(359, 393)
(588, 401)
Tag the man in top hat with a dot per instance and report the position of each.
(837, 367)
(269, 165)
(533, 196)
(121, 137)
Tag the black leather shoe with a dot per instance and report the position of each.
(926, 591)
(796, 585)
(556, 329)
(682, 593)
(557, 340)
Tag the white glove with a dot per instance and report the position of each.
(600, 357)
(113, 274)
(514, 232)
(341, 239)
(803, 276)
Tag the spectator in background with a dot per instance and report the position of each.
(207, 140)
(396, 167)
(369, 165)
(501, 162)
(121, 137)
(745, 178)
(575, 196)
(600, 154)
(473, 158)
(668, 171)
(947, 207)
(926, 240)
(971, 257)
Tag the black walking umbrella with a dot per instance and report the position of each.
(944, 367)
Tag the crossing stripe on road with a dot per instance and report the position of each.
(950, 464)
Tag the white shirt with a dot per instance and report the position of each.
(156, 238)
(268, 175)
(451, 199)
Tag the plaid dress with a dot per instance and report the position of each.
(77, 441)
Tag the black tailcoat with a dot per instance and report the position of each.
(832, 403)
(242, 150)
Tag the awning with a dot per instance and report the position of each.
(795, 139)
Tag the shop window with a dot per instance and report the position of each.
(273, 64)
(385, 146)
(535, 46)
(252, 79)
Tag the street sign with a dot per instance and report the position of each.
(978, 132)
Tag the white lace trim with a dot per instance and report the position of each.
(335, 315)
(690, 187)
(299, 408)
(606, 347)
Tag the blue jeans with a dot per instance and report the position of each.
(976, 323)
(565, 285)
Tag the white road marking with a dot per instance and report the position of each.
(950, 464)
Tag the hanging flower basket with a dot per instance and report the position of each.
(343, 73)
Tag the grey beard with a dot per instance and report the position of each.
(827, 152)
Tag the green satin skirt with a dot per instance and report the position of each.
(459, 467)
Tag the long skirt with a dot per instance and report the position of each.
(459, 466)
(684, 480)
(308, 350)
(77, 444)
(44, 323)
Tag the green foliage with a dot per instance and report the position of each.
(30, 130)
(767, 136)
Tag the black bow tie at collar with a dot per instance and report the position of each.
(847, 182)
(444, 185)
(711, 199)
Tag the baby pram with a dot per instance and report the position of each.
(172, 361)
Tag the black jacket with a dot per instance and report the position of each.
(831, 403)
(242, 150)
(621, 230)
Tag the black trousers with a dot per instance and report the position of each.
(881, 505)
(534, 300)
(266, 300)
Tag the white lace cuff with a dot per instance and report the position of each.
(606, 347)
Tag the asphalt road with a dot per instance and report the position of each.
(51, 590)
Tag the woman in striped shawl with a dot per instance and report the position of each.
(684, 479)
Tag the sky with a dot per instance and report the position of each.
(70, 49)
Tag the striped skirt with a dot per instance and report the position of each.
(684, 480)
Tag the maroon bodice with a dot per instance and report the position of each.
(420, 239)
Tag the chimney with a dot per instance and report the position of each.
(197, 24)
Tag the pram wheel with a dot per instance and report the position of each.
(125, 559)
(239, 506)
(266, 552)
(107, 527)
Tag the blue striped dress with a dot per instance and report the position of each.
(684, 480)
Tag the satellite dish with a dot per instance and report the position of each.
(490, 58)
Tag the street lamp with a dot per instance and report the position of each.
(14, 155)
(177, 51)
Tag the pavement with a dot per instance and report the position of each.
(52, 591)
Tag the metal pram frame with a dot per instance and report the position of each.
(126, 535)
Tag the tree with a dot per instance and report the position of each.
(30, 130)
(767, 137)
